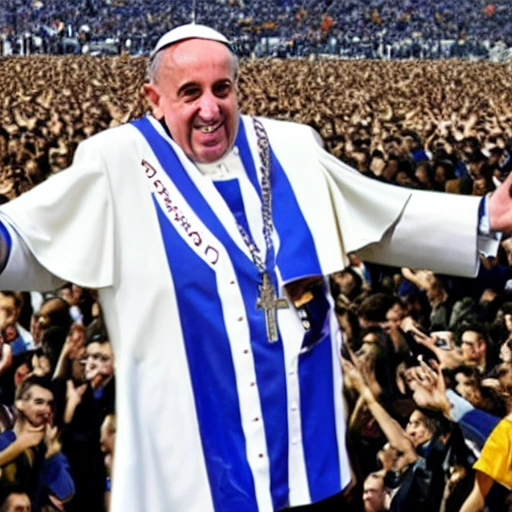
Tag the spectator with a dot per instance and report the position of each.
(87, 405)
(31, 451)
(375, 496)
(494, 466)
(15, 500)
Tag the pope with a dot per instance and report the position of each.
(208, 235)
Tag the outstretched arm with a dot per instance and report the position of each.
(394, 433)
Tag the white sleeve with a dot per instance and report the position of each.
(436, 231)
(403, 227)
(22, 271)
(66, 224)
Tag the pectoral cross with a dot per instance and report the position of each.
(269, 302)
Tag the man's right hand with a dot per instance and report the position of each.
(29, 438)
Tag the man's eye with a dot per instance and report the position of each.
(222, 89)
(191, 93)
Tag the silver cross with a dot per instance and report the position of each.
(269, 302)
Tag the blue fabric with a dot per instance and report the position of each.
(6, 238)
(18, 346)
(317, 394)
(7, 438)
(477, 425)
(419, 154)
(55, 477)
(297, 257)
(230, 191)
(208, 347)
(212, 370)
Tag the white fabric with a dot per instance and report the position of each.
(95, 225)
(190, 31)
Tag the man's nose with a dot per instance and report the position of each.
(209, 107)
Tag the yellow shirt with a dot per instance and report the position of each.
(496, 457)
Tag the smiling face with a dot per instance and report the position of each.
(36, 406)
(194, 91)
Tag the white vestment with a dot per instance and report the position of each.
(100, 224)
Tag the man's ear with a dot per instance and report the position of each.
(152, 96)
(19, 404)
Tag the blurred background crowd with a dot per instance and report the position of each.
(427, 358)
(348, 28)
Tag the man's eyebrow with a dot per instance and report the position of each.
(185, 86)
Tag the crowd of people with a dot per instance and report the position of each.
(410, 28)
(427, 358)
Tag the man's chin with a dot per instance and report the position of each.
(212, 152)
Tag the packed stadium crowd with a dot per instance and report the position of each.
(427, 358)
(409, 28)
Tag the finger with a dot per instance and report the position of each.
(346, 364)
(429, 373)
(436, 367)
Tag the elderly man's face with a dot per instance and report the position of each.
(195, 92)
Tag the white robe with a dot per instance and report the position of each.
(95, 225)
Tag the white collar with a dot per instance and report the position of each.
(221, 169)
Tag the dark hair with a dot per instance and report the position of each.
(384, 363)
(8, 488)
(52, 342)
(435, 422)
(479, 328)
(55, 311)
(358, 284)
(375, 307)
(32, 380)
(17, 296)
(96, 332)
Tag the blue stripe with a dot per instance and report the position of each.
(201, 291)
(211, 369)
(319, 434)
(288, 219)
(6, 238)
(297, 256)
(230, 191)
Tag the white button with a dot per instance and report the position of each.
(291, 372)
(295, 440)
(293, 407)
